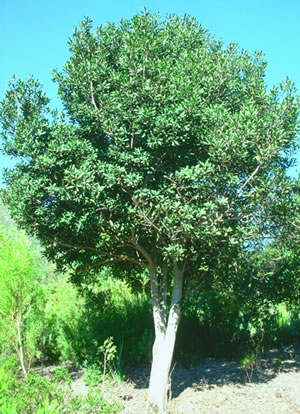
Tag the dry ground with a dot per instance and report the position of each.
(272, 386)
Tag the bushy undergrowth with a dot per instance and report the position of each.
(113, 310)
(75, 327)
(46, 395)
(218, 325)
(63, 312)
(222, 325)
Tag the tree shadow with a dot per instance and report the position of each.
(211, 373)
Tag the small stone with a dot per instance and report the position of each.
(126, 397)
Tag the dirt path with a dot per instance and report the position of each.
(216, 387)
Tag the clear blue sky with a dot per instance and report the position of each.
(34, 33)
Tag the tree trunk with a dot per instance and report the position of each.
(20, 348)
(163, 348)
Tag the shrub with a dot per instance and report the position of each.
(221, 324)
(46, 395)
(112, 309)
(76, 324)
(62, 327)
(21, 298)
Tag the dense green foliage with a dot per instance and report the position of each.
(21, 298)
(76, 327)
(46, 395)
(170, 147)
(57, 323)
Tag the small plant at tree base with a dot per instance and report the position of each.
(248, 363)
(108, 350)
(277, 365)
(93, 373)
(95, 403)
(62, 375)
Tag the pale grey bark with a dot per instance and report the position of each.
(20, 348)
(165, 336)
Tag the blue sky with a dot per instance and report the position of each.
(34, 34)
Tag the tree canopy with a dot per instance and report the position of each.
(168, 142)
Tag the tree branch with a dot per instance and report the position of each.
(144, 215)
(137, 246)
(164, 290)
(92, 96)
(71, 246)
(249, 178)
(117, 259)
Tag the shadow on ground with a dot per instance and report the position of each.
(212, 373)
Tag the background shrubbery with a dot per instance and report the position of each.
(76, 326)
(61, 324)
(217, 325)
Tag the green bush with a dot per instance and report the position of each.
(112, 309)
(76, 324)
(214, 324)
(219, 324)
(46, 395)
(62, 332)
(8, 382)
(21, 298)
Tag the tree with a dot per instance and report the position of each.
(170, 155)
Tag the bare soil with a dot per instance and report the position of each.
(270, 385)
